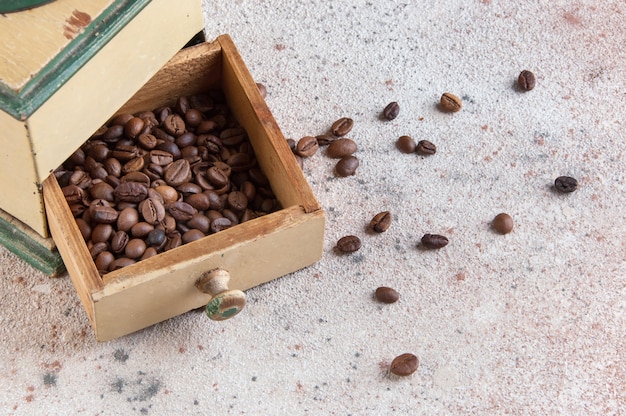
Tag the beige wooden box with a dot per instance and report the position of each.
(252, 252)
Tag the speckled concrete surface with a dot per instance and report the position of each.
(530, 323)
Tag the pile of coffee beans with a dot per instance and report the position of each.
(149, 182)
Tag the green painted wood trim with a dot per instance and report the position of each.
(30, 250)
(79, 51)
(8, 6)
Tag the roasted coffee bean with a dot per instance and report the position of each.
(406, 144)
(237, 201)
(342, 126)
(434, 241)
(381, 222)
(120, 263)
(231, 215)
(189, 188)
(133, 165)
(502, 223)
(103, 214)
(404, 365)
(182, 105)
(565, 184)
(181, 211)
(113, 167)
(127, 218)
(173, 241)
(185, 139)
(307, 146)
(147, 141)
(150, 252)
(174, 125)
(102, 190)
(133, 127)
(177, 173)
(341, 148)
(193, 117)
(292, 145)
(387, 295)
(200, 222)
(168, 193)
(425, 148)
(169, 147)
(347, 166)
(119, 241)
(99, 152)
(84, 228)
(156, 238)
(73, 194)
(199, 201)
(98, 248)
(232, 136)
(121, 119)
(104, 260)
(138, 177)
(135, 248)
(391, 111)
(152, 211)
(192, 235)
(240, 162)
(81, 179)
(450, 103)
(324, 139)
(141, 229)
(131, 192)
(113, 133)
(124, 152)
(349, 244)
(526, 80)
(220, 224)
(101, 233)
(217, 177)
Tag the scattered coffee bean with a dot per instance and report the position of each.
(387, 295)
(565, 184)
(342, 126)
(340, 148)
(381, 222)
(391, 111)
(307, 146)
(434, 241)
(406, 144)
(325, 139)
(502, 223)
(349, 244)
(450, 102)
(526, 80)
(404, 365)
(347, 166)
(425, 148)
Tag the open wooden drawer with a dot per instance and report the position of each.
(253, 252)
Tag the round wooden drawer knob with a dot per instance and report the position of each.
(224, 303)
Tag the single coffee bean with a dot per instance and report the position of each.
(128, 217)
(178, 173)
(406, 144)
(387, 295)
(125, 152)
(307, 146)
(101, 233)
(502, 223)
(113, 167)
(169, 147)
(526, 80)
(119, 241)
(565, 184)
(220, 224)
(425, 148)
(147, 141)
(342, 126)
(349, 244)
(168, 193)
(450, 103)
(133, 127)
(182, 105)
(381, 222)
(134, 165)
(200, 222)
(193, 117)
(156, 238)
(325, 139)
(98, 248)
(185, 139)
(174, 125)
(181, 211)
(120, 263)
(199, 201)
(141, 229)
(232, 136)
(121, 119)
(217, 177)
(434, 241)
(81, 179)
(404, 365)
(84, 228)
(152, 211)
(173, 241)
(135, 248)
(347, 166)
(192, 235)
(102, 190)
(340, 148)
(150, 252)
(237, 201)
(391, 111)
(131, 192)
(101, 213)
(73, 194)
(104, 260)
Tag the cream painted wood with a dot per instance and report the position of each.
(32, 38)
(110, 78)
(19, 183)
